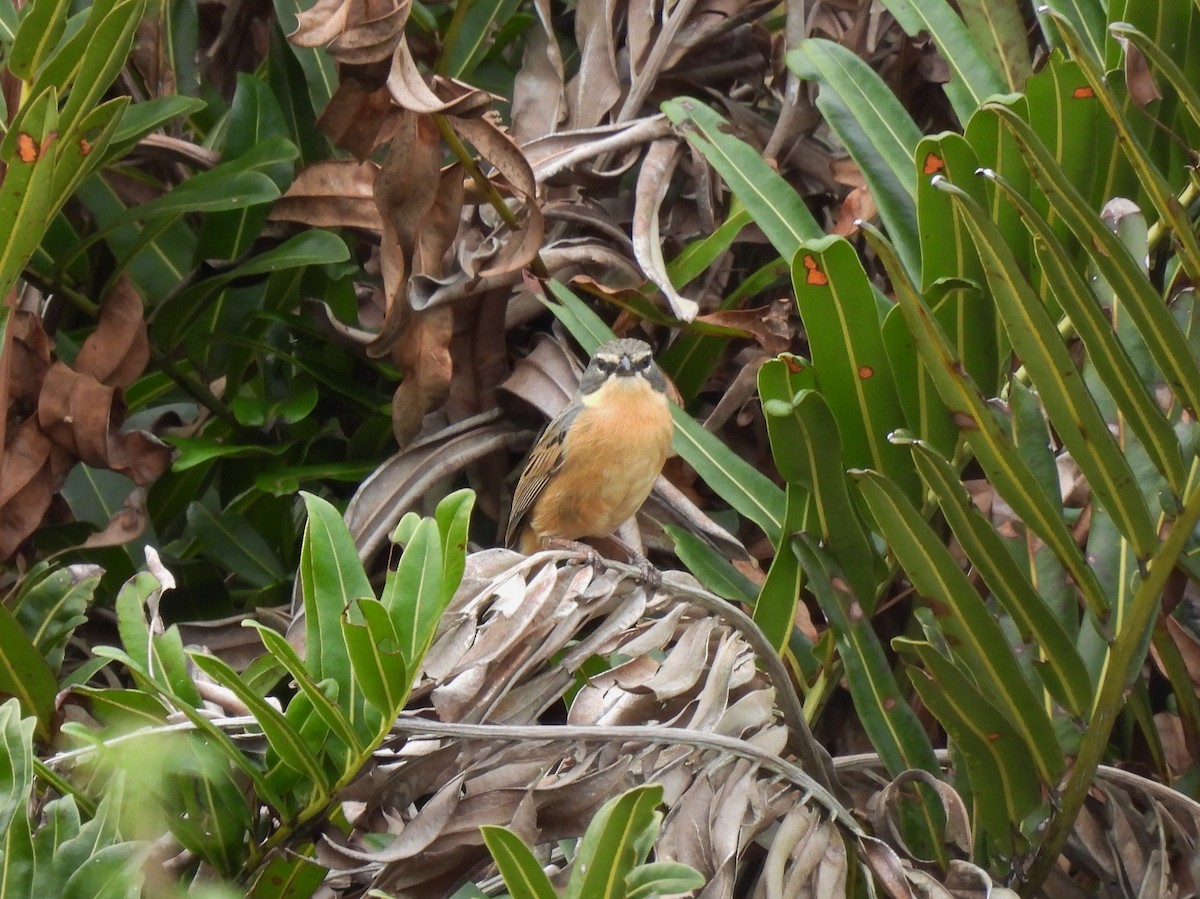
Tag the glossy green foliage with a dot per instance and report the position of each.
(1023, 320)
(362, 653)
(610, 860)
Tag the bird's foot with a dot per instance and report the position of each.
(590, 556)
(649, 576)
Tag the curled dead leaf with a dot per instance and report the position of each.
(654, 179)
(372, 31)
(117, 352)
(336, 193)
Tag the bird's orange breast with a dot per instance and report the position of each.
(612, 455)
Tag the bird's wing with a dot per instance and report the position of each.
(545, 459)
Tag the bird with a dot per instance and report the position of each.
(595, 463)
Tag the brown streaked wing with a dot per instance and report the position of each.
(544, 462)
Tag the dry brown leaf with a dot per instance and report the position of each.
(499, 149)
(126, 524)
(539, 104)
(859, 205)
(771, 325)
(63, 415)
(1143, 89)
(372, 31)
(654, 180)
(405, 190)
(336, 193)
(423, 351)
(321, 23)
(34, 469)
(507, 650)
(26, 361)
(117, 351)
(358, 118)
(410, 91)
(557, 153)
(596, 88)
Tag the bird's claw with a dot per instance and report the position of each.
(649, 576)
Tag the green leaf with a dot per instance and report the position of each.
(522, 873)
(779, 596)
(39, 30)
(334, 718)
(986, 437)
(890, 723)
(279, 733)
(231, 542)
(926, 414)
(123, 710)
(160, 655)
(607, 852)
(1086, 16)
(730, 476)
(1122, 272)
(293, 875)
(104, 55)
(25, 202)
(1061, 666)
(947, 250)
(24, 674)
(221, 741)
(209, 191)
(842, 322)
(775, 206)
(320, 69)
(710, 567)
(1068, 403)
(808, 452)
(112, 872)
(84, 147)
(469, 37)
(142, 118)
(998, 762)
(453, 517)
(254, 117)
(662, 879)
(874, 127)
(972, 77)
(50, 603)
(413, 594)
(883, 709)
(374, 647)
(1161, 194)
(16, 767)
(998, 27)
(331, 577)
(978, 642)
(1105, 352)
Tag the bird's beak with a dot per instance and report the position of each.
(626, 365)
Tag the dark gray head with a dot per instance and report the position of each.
(626, 357)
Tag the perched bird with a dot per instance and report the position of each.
(594, 465)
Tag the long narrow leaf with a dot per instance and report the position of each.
(975, 635)
(1068, 403)
(1144, 306)
(972, 77)
(1105, 351)
(876, 130)
(776, 207)
(989, 442)
(1061, 667)
(522, 873)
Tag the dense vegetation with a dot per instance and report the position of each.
(285, 290)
